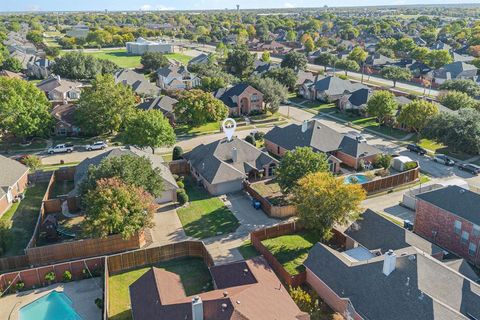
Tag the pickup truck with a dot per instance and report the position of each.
(61, 148)
(99, 145)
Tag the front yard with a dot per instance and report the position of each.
(205, 215)
(292, 250)
(193, 273)
(21, 219)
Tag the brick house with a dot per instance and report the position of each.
(241, 99)
(339, 147)
(13, 181)
(450, 218)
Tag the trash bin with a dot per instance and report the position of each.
(256, 204)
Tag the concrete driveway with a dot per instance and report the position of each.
(168, 228)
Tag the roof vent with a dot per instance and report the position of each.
(245, 271)
(224, 306)
(462, 190)
(225, 294)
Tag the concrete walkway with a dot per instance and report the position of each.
(168, 227)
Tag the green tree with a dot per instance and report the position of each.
(33, 162)
(274, 93)
(291, 36)
(240, 62)
(285, 76)
(467, 86)
(104, 107)
(383, 161)
(298, 163)
(149, 129)
(438, 58)
(24, 109)
(455, 100)
(417, 114)
(131, 169)
(52, 52)
(12, 64)
(115, 207)
(266, 56)
(381, 105)
(309, 45)
(294, 60)
(211, 84)
(35, 36)
(196, 107)
(359, 56)
(420, 54)
(348, 65)
(323, 200)
(396, 74)
(77, 65)
(152, 61)
(326, 59)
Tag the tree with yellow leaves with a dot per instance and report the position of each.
(323, 200)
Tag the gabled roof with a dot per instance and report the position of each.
(173, 71)
(56, 83)
(64, 113)
(320, 138)
(214, 160)
(378, 59)
(455, 68)
(139, 83)
(359, 97)
(335, 86)
(420, 287)
(375, 232)
(164, 103)
(457, 200)
(227, 94)
(10, 172)
(202, 58)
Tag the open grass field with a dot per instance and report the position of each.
(205, 216)
(193, 273)
(291, 250)
(21, 219)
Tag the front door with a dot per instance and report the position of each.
(244, 106)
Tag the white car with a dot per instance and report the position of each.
(443, 159)
(99, 145)
(61, 148)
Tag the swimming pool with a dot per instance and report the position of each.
(55, 305)
(356, 179)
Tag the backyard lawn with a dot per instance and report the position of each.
(291, 250)
(21, 218)
(193, 273)
(61, 188)
(248, 251)
(124, 60)
(205, 216)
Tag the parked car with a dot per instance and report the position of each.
(99, 145)
(21, 158)
(357, 136)
(443, 159)
(472, 168)
(61, 148)
(417, 149)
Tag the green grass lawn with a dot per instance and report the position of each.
(320, 106)
(37, 144)
(124, 60)
(291, 250)
(205, 216)
(193, 273)
(53, 167)
(22, 217)
(188, 130)
(61, 188)
(247, 250)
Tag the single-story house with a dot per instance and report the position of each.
(170, 186)
(339, 147)
(356, 101)
(165, 104)
(200, 59)
(455, 71)
(64, 115)
(377, 61)
(13, 181)
(244, 290)
(58, 89)
(140, 84)
(329, 89)
(222, 166)
(241, 99)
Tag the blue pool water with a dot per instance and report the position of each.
(53, 306)
(356, 178)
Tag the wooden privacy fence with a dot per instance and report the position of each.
(13, 262)
(273, 211)
(179, 167)
(35, 277)
(256, 238)
(392, 181)
(83, 249)
(143, 257)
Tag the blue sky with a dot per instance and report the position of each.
(67, 5)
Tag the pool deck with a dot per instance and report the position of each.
(82, 293)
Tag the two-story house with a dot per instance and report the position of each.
(175, 77)
(241, 99)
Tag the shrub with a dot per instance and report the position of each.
(255, 113)
(383, 161)
(259, 135)
(49, 277)
(250, 139)
(410, 165)
(33, 162)
(361, 165)
(182, 197)
(177, 153)
(181, 185)
(99, 303)
(67, 276)
(5, 226)
(343, 77)
(20, 285)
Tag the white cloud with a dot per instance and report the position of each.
(149, 7)
(288, 5)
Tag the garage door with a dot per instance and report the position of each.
(167, 196)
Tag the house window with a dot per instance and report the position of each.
(476, 230)
(254, 98)
(472, 249)
(62, 132)
(458, 227)
(465, 237)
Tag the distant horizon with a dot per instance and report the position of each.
(32, 6)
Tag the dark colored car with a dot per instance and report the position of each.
(472, 168)
(417, 149)
(21, 158)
